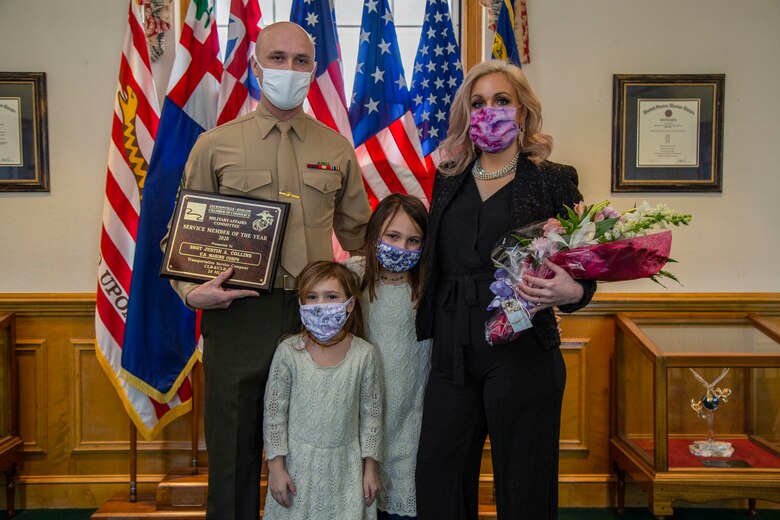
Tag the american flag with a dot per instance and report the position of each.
(134, 128)
(437, 75)
(159, 346)
(326, 101)
(239, 90)
(383, 128)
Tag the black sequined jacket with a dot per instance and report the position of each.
(538, 193)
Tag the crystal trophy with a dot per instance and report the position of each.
(705, 408)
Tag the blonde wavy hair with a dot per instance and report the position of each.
(458, 150)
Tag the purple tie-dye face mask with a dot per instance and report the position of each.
(493, 129)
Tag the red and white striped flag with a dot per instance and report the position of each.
(133, 133)
(160, 337)
(239, 90)
(326, 101)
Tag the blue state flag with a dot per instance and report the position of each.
(159, 343)
(504, 42)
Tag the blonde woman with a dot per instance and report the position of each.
(495, 177)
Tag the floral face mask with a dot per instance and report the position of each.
(396, 259)
(493, 129)
(324, 320)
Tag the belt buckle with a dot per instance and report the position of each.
(289, 283)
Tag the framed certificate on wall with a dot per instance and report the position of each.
(24, 148)
(667, 132)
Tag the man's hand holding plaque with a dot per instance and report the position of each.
(212, 295)
(224, 241)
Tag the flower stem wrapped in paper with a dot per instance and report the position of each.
(590, 243)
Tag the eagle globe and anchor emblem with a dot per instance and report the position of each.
(263, 220)
(705, 408)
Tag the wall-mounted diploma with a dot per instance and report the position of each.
(668, 133)
(10, 132)
(211, 232)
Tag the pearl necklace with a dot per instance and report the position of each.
(479, 172)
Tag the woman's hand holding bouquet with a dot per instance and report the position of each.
(590, 243)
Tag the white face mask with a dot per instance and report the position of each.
(285, 89)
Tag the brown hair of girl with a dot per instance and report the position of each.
(383, 214)
(317, 272)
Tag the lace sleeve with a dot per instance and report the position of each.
(356, 264)
(277, 401)
(371, 392)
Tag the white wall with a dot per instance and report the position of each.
(49, 242)
(733, 243)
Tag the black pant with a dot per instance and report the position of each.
(512, 392)
(239, 344)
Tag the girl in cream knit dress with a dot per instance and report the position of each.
(391, 283)
(322, 421)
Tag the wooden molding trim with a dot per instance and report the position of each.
(87, 479)
(612, 303)
(83, 304)
(48, 304)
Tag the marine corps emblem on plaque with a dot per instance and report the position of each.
(264, 220)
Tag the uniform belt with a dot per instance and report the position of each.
(286, 282)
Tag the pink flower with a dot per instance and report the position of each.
(579, 208)
(610, 212)
(553, 225)
(544, 247)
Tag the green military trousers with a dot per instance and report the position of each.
(239, 344)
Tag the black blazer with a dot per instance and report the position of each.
(538, 193)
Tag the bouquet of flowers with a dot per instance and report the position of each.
(591, 243)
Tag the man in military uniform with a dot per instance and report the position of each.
(271, 154)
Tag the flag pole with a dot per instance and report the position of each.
(196, 371)
(133, 462)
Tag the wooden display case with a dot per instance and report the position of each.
(11, 446)
(662, 365)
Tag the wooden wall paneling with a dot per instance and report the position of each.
(33, 401)
(97, 414)
(598, 333)
(77, 432)
(575, 408)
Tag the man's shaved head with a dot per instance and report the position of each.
(281, 32)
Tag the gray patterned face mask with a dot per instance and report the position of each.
(324, 320)
(396, 259)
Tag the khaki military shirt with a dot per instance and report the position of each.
(239, 158)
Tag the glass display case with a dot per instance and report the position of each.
(11, 446)
(696, 408)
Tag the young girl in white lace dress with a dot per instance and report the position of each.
(322, 421)
(392, 279)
